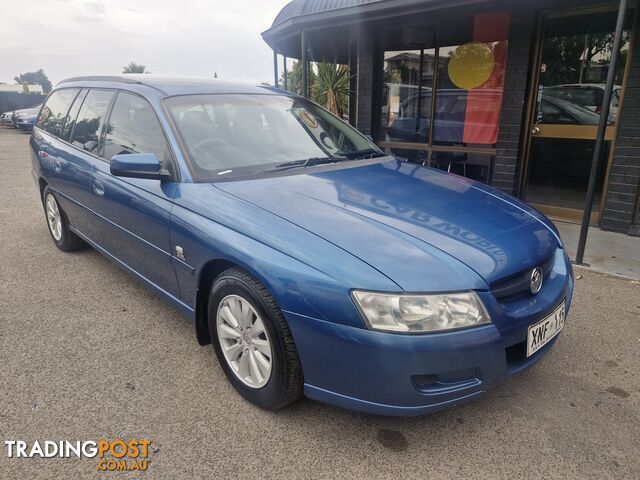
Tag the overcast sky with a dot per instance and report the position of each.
(68, 38)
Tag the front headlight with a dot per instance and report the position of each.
(421, 313)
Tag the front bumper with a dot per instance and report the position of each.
(394, 374)
(27, 126)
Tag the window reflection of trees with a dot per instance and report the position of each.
(579, 58)
(86, 133)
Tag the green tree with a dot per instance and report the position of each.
(332, 87)
(569, 58)
(135, 68)
(328, 84)
(294, 79)
(25, 87)
(34, 78)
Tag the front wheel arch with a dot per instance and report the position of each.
(208, 273)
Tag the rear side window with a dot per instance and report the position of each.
(86, 134)
(134, 128)
(72, 115)
(53, 114)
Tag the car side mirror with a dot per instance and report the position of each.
(138, 165)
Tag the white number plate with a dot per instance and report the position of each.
(541, 333)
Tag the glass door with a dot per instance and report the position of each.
(575, 51)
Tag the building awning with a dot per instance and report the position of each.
(330, 17)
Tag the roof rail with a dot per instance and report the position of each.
(102, 78)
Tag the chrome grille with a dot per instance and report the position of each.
(518, 285)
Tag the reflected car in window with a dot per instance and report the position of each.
(450, 115)
(588, 96)
(313, 263)
(551, 151)
(556, 111)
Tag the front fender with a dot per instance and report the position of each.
(306, 274)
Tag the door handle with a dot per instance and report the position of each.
(57, 164)
(97, 187)
(535, 130)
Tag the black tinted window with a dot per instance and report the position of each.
(134, 128)
(53, 114)
(72, 115)
(86, 134)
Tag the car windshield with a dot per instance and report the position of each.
(244, 135)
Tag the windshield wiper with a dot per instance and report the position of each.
(365, 154)
(306, 162)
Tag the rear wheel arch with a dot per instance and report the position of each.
(42, 183)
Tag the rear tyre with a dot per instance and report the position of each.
(58, 224)
(252, 341)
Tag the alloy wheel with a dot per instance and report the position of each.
(53, 217)
(244, 341)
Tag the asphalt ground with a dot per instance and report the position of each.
(86, 353)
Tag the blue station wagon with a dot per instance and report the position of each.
(313, 262)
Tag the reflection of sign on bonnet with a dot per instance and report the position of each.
(406, 211)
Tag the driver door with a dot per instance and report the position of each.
(132, 213)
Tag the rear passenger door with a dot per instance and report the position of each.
(56, 157)
(73, 170)
(132, 214)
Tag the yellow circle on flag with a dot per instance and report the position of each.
(471, 65)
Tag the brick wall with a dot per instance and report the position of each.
(624, 176)
(508, 161)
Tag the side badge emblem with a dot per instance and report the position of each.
(180, 253)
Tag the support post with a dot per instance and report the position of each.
(602, 126)
(305, 65)
(353, 82)
(275, 67)
(285, 74)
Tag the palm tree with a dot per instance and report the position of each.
(134, 68)
(332, 84)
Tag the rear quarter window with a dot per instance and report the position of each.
(54, 112)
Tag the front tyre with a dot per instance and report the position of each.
(252, 341)
(58, 224)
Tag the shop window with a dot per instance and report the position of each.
(466, 73)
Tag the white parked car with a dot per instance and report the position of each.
(6, 119)
(587, 95)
